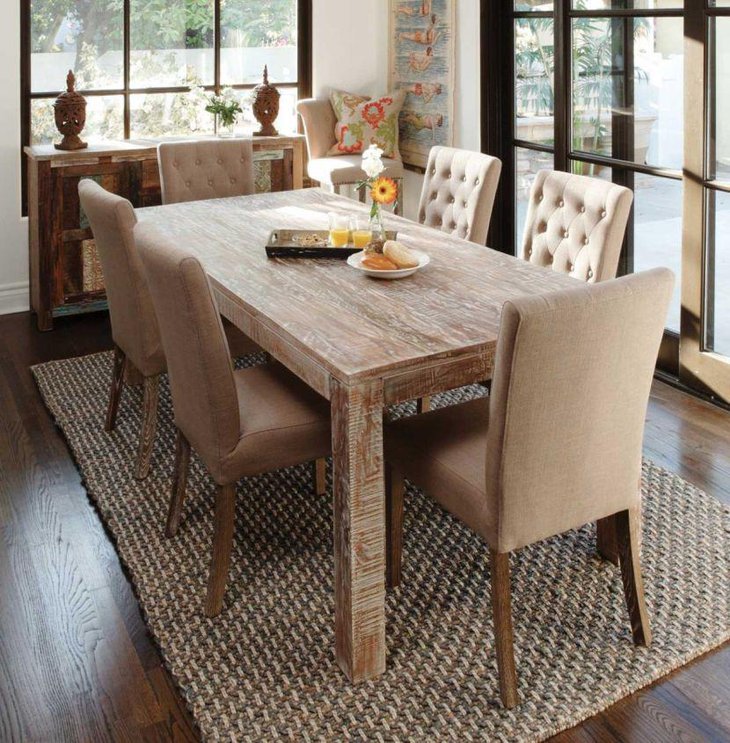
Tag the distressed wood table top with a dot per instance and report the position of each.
(353, 326)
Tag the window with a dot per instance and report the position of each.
(617, 112)
(146, 66)
(602, 87)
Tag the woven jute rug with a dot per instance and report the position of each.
(265, 669)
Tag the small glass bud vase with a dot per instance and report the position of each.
(377, 226)
(224, 129)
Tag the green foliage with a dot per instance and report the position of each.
(163, 24)
(225, 106)
(94, 27)
(593, 73)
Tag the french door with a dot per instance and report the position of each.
(705, 325)
(635, 92)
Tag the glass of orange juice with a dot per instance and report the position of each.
(362, 233)
(339, 229)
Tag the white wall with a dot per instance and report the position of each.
(13, 229)
(350, 46)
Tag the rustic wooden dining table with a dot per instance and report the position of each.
(363, 344)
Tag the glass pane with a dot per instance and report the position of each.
(597, 85)
(104, 119)
(658, 86)
(658, 231)
(534, 5)
(718, 276)
(171, 43)
(527, 164)
(627, 4)
(169, 114)
(258, 34)
(580, 167)
(75, 36)
(649, 128)
(722, 97)
(534, 80)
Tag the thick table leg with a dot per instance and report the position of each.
(359, 528)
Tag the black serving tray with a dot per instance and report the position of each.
(286, 244)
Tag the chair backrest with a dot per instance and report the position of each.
(576, 224)
(569, 395)
(319, 121)
(199, 365)
(134, 325)
(205, 169)
(458, 192)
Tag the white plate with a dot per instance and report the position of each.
(355, 260)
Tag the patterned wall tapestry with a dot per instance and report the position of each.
(421, 61)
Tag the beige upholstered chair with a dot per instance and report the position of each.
(548, 451)
(575, 224)
(241, 423)
(137, 347)
(136, 338)
(205, 169)
(319, 121)
(458, 192)
(457, 197)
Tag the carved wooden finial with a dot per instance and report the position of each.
(69, 111)
(265, 106)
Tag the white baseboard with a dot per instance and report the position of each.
(14, 298)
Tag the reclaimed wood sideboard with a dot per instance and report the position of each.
(65, 273)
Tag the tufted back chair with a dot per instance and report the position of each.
(458, 192)
(205, 169)
(576, 225)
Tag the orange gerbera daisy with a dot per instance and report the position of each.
(384, 190)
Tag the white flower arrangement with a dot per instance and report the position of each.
(372, 161)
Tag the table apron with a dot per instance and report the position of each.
(399, 385)
(298, 362)
(438, 376)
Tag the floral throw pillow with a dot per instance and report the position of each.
(363, 121)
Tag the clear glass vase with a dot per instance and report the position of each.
(377, 227)
(224, 129)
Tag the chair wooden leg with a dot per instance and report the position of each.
(115, 391)
(133, 376)
(149, 425)
(628, 528)
(423, 404)
(320, 476)
(224, 524)
(179, 484)
(606, 539)
(503, 635)
(394, 490)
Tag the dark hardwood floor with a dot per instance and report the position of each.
(76, 661)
